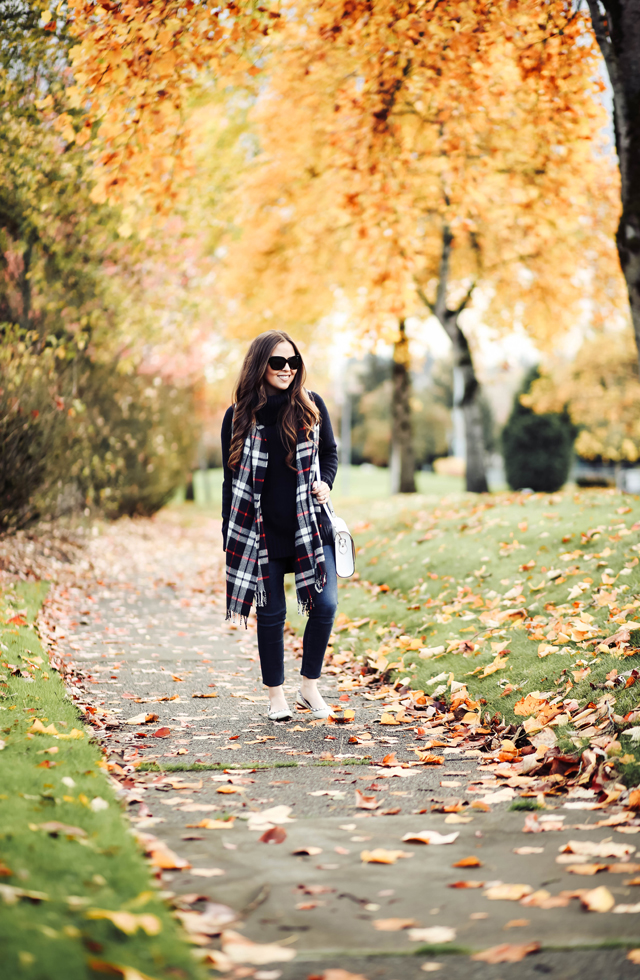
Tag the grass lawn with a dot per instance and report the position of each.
(361, 483)
(502, 593)
(67, 858)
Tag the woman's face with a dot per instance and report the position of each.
(276, 381)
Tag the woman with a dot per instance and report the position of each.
(272, 437)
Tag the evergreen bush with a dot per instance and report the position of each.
(537, 449)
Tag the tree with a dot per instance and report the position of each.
(412, 187)
(616, 24)
(600, 388)
(74, 311)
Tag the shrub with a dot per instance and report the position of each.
(128, 442)
(30, 417)
(537, 449)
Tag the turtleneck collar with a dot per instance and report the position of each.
(268, 414)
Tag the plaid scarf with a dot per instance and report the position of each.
(246, 552)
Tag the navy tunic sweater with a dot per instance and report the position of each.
(279, 490)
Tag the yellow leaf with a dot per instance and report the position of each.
(38, 728)
(128, 922)
(74, 733)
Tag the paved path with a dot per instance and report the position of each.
(142, 633)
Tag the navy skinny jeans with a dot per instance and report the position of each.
(271, 620)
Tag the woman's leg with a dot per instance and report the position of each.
(317, 633)
(271, 619)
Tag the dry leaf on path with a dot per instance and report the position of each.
(466, 884)
(393, 925)
(598, 899)
(468, 862)
(208, 824)
(506, 953)
(432, 935)
(275, 835)
(161, 856)
(596, 848)
(239, 949)
(508, 893)
(381, 856)
(543, 899)
(586, 869)
(207, 872)
(528, 850)
(634, 909)
(366, 802)
(517, 923)
(430, 837)
(634, 956)
(310, 851)
(273, 817)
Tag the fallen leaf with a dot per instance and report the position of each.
(161, 733)
(381, 856)
(506, 953)
(208, 695)
(118, 969)
(393, 925)
(508, 893)
(275, 835)
(208, 824)
(11, 893)
(311, 851)
(366, 802)
(433, 935)
(430, 837)
(55, 829)
(543, 899)
(275, 816)
(128, 922)
(468, 862)
(528, 850)
(517, 923)
(596, 848)
(207, 872)
(586, 869)
(598, 899)
(634, 909)
(634, 956)
(239, 949)
(161, 856)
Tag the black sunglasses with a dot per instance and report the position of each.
(277, 363)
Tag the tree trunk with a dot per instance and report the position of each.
(469, 390)
(618, 34)
(402, 458)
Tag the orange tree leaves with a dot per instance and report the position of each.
(135, 66)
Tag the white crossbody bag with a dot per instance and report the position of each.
(344, 547)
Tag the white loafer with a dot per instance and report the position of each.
(303, 705)
(280, 715)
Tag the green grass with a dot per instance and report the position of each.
(99, 868)
(353, 483)
(447, 560)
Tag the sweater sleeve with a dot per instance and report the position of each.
(328, 450)
(225, 438)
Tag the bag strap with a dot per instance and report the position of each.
(328, 506)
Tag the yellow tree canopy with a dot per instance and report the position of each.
(380, 132)
(601, 390)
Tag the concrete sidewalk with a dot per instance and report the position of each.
(140, 638)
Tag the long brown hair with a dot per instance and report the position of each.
(250, 395)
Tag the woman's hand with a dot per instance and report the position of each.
(320, 492)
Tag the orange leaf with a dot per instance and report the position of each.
(366, 802)
(468, 862)
(275, 835)
(507, 953)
